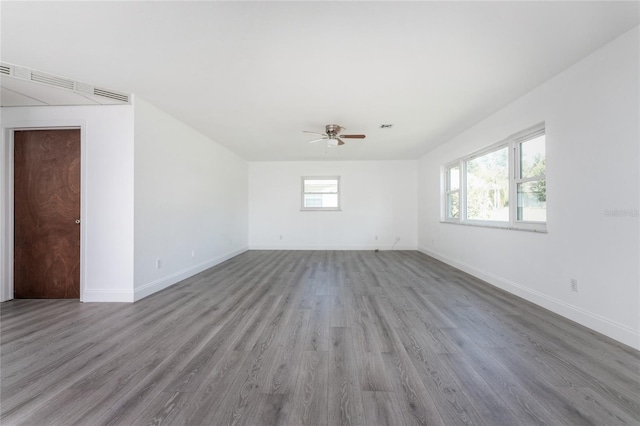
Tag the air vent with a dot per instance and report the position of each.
(88, 91)
(52, 80)
(111, 95)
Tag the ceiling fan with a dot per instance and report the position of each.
(333, 135)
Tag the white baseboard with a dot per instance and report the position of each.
(107, 296)
(320, 247)
(602, 325)
(164, 282)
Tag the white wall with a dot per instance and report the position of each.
(378, 198)
(592, 124)
(106, 194)
(191, 194)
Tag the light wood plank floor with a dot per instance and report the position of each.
(313, 337)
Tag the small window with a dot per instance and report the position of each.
(453, 192)
(321, 193)
(530, 180)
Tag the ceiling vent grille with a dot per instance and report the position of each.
(111, 94)
(86, 90)
(52, 80)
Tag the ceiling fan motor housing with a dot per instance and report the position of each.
(333, 129)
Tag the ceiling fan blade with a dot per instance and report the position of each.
(314, 133)
(318, 140)
(353, 136)
(340, 141)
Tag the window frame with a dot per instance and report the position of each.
(303, 193)
(513, 143)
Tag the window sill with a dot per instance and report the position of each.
(320, 209)
(537, 228)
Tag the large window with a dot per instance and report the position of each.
(502, 186)
(321, 193)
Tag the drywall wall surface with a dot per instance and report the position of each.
(106, 193)
(191, 201)
(591, 112)
(378, 206)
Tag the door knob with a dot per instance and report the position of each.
(77, 221)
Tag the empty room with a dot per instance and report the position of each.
(320, 213)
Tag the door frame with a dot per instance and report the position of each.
(7, 198)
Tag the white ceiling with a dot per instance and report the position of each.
(253, 75)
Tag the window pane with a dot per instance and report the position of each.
(532, 158)
(488, 186)
(453, 205)
(320, 185)
(312, 200)
(532, 201)
(454, 178)
(321, 200)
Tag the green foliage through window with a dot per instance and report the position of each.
(488, 186)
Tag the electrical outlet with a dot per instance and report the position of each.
(281, 236)
(376, 238)
(158, 263)
(574, 285)
(193, 254)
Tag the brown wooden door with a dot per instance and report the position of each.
(46, 207)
